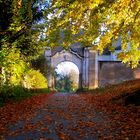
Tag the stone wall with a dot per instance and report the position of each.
(93, 70)
(116, 72)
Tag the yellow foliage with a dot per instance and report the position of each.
(19, 3)
(34, 80)
(117, 18)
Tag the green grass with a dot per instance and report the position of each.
(17, 94)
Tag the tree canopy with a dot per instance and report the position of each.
(86, 20)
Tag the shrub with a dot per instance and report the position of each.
(12, 69)
(12, 66)
(35, 81)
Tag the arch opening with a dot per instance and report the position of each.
(66, 77)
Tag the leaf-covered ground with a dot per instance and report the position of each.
(94, 115)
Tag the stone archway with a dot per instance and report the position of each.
(84, 58)
(66, 56)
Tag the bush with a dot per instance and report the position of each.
(35, 81)
(12, 69)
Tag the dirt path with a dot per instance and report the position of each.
(64, 117)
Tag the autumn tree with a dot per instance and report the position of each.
(19, 25)
(86, 20)
(20, 39)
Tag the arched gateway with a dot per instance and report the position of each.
(84, 58)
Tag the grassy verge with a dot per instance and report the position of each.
(18, 94)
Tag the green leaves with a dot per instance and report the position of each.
(20, 41)
(13, 66)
